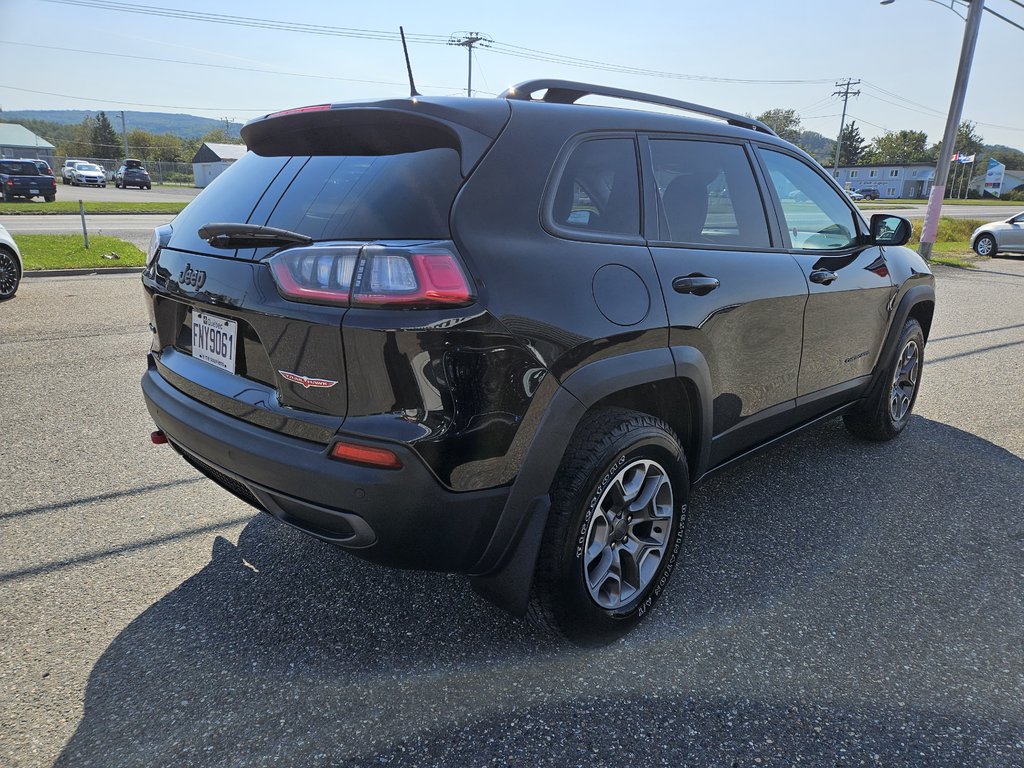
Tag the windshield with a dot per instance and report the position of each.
(404, 196)
(86, 167)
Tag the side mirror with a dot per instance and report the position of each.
(889, 230)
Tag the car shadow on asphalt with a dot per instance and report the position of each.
(839, 600)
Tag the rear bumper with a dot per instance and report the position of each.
(403, 518)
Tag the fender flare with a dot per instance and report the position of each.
(504, 573)
(916, 295)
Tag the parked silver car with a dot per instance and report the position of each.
(999, 237)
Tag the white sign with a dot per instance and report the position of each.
(994, 177)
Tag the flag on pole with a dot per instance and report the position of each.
(955, 157)
(965, 159)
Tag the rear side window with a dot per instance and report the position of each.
(707, 195)
(19, 169)
(406, 196)
(599, 189)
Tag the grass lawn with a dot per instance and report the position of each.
(952, 241)
(71, 206)
(68, 252)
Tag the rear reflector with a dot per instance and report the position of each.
(158, 438)
(364, 454)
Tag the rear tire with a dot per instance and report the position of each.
(886, 413)
(615, 530)
(49, 198)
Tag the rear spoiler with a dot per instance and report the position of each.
(380, 128)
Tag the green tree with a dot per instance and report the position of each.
(852, 145)
(78, 143)
(105, 140)
(785, 122)
(821, 148)
(219, 136)
(899, 147)
(968, 141)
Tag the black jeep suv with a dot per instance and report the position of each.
(507, 337)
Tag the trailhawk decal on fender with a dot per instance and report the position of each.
(308, 381)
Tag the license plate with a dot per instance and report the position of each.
(214, 340)
(34, 191)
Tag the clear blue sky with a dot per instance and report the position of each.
(909, 48)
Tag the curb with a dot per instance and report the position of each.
(82, 272)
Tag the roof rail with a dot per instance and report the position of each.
(569, 92)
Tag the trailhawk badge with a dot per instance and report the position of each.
(308, 381)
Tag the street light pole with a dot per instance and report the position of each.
(956, 108)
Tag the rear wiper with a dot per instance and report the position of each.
(250, 236)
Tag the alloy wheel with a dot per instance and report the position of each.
(904, 381)
(8, 274)
(628, 534)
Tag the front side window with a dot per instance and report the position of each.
(817, 218)
(599, 189)
(707, 195)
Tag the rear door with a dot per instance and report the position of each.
(730, 290)
(848, 280)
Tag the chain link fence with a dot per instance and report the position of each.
(160, 172)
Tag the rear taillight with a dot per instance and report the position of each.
(161, 236)
(373, 276)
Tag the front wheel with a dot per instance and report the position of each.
(10, 274)
(615, 530)
(985, 245)
(886, 413)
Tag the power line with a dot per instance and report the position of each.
(368, 34)
(219, 66)
(134, 103)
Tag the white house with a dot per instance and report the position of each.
(891, 179)
(213, 159)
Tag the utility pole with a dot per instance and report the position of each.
(956, 108)
(845, 93)
(124, 134)
(467, 40)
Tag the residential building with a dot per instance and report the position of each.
(890, 179)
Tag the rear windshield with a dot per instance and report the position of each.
(19, 169)
(405, 196)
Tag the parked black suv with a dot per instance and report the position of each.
(870, 193)
(507, 337)
(132, 174)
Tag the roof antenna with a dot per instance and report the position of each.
(412, 84)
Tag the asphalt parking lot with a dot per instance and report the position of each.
(158, 194)
(840, 603)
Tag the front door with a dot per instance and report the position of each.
(850, 288)
(730, 292)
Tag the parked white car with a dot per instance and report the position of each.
(853, 194)
(999, 237)
(88, 174)
(10, 265)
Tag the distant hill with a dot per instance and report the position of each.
(185, 126)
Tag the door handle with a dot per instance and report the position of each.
(823, 276)
(696, 284)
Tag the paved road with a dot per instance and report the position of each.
(111, 193)
(840, 603)
(133, 228)
(984, 212)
